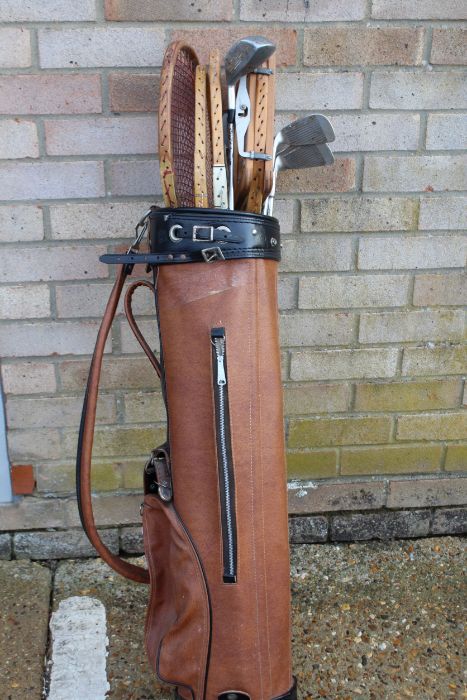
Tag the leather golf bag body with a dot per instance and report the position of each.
(215, 504)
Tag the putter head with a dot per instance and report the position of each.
(308, 156)
(246, 55)
(314, 129)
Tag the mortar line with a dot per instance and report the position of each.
(100, 11)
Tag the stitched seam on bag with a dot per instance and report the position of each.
(258, 647)
(261, 464)
(195, 555)
(152, 580)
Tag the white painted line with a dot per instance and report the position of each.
(79, 650)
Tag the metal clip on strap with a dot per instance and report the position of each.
(140, 231)
(211, 254)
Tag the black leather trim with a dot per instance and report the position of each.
(290, 694)
(180, 235)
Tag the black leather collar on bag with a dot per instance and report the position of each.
(205, 235)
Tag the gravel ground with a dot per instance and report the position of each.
(376, 620)
(380, 621)
(24, 614)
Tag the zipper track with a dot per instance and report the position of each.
(224, 457)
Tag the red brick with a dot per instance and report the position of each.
(117, 373)
(101, 135)
(449, 47)
(300, 11)
(52, 263)
(15, 47)
(52, 180)
(356, 46)
(134, 177)
(105, 45)
(134, 92)
(150, 11)
(309, 497)
(50, 94)
(48, 11)
(202, 41)
(339, 177)
(22, 479)
(419, 493)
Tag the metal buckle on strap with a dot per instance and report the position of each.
(159, 469)
(212, 254)
(211, 229)
(200, 228)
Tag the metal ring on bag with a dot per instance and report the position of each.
(172, 236)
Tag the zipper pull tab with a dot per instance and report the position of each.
(221, 378)
(218, 340)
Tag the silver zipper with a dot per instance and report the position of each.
(221, 380)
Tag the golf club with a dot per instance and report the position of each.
(242, 58)
(314, 129)
(295, 158)
(311, 130)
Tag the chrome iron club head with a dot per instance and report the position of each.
(295, 158)
(308, 156)
(314, 129)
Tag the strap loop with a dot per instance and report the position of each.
(88, 419)
(134, 326)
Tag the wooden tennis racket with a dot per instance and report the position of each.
(255, 194)
(177, 125)
(219, 173)
(199, 164)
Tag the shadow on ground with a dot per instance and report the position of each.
(377, 621)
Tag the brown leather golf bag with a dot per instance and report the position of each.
(215, 504)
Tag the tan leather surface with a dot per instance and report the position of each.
(251, 634)
(177, 622)
(250, 645)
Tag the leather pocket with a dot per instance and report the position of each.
(177, 632)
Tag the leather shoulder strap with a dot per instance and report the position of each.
(86, 436)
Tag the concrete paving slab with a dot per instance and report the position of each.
(24, 616)
(79, 636)
(376, 620)
(128, 671)
(379, 621)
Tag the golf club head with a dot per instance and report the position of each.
(307, 156)
(314, 129)
(246, 55)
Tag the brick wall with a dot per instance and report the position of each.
(371, 288)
